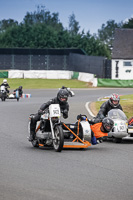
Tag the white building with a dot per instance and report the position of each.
(122, 55)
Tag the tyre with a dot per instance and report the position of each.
(35, 143)
(131, 135)
(58, 142)
(117, 140)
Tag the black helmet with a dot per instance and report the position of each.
(108, 124)
(114, 98)
(62, 95)
(20, 87)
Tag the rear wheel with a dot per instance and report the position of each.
(58, 142)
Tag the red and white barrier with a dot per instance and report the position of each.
(26, 96)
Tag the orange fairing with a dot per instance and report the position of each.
(96, 128)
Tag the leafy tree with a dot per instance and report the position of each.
(128, 24)
(5, 24)
(73, 25)
(41, 29)
(106, 33)
(42, 16)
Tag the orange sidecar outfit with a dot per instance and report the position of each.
(96, 128)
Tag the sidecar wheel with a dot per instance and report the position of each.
(59, 139)
(117, 140)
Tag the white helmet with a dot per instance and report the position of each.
(4, 81)
(114, 97)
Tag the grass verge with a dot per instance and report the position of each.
(45, 83)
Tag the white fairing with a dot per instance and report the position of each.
(120, 124)
(11, 96)
(119, 129)
(3, 88)
(86, 130)
(54, 110)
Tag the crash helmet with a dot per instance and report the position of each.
(107, 124)
(20, 87)
(62, 95)
(4, 81)
(114, 100)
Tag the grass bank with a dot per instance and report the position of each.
(126, 102)
(45, 83)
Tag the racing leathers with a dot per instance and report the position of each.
(96, 129)
(20, 91)
(64, 106)
(104, 109)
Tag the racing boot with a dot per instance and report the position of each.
(100, 140)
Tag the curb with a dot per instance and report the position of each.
(88, 109)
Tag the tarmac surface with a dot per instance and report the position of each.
(102, 171)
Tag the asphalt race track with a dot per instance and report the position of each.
(101, 172)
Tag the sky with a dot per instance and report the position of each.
(90, 14)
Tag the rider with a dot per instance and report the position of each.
(112, 103)
(61, 99)
(6, 85)
(19, 90)
(101, 129)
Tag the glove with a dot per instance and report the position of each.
(91, 121)
(40, 112)
(65, 113)
(81, 117)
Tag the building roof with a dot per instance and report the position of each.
(123, 44)
(29, 51)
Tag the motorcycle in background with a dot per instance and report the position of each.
(3, 93)
(120, 129)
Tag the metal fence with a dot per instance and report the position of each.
(57, 60)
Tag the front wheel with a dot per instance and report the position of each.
(58, 142)
(3, 99)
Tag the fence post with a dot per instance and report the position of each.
(12, 61)
(47, 62)
(64, 64)
(30, 62)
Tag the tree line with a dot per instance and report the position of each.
(42, 29)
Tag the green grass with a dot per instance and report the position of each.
(44, 83)
(126, 102)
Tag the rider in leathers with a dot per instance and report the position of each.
(112, 103)
(101, 129)
(61, 99)
(6, 85)
(20, 91)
